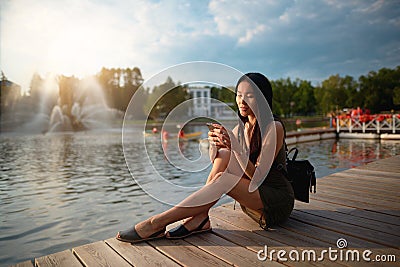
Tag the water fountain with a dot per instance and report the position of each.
(71, 104)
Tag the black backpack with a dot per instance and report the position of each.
(301, 175)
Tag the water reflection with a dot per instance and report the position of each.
(63, 190)
(329, 156)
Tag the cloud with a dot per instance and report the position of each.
(309, 39)
(245, 20)
(55, 36)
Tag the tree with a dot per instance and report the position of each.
(337, 93)
(223, 94)
(396, 96)
(378, 89)
(284, 100)
(119, 85)
(304, 98)
(162, 99)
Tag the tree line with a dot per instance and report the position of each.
(378, 91)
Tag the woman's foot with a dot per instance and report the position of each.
(142, 231)
(194, 225)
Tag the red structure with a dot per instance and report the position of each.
(358, 120)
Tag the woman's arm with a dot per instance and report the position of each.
(272, 141)
(219, 138)
(223, 138)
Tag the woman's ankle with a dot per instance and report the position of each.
(156, 222)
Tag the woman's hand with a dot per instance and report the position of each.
(220, 136)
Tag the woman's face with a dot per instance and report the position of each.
(245, 99)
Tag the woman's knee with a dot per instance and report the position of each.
(221, 162)
(215, 177)
(223, 182)
(224, 154)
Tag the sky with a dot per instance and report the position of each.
(306, 39)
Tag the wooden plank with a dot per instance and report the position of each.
(361, 205)
(347, 229)
(241, 236)
(346, 177)
(349, 219)
(373, 173)
(384, 183)
(365, 188)
(99, 254)
(185, 253)
(238, 218)
(23, 264)
(346, 190)
(379, 217)
(361, 187)
(343, 178)
(141, 254)
(376, 216)
(63, 258)
(305, 229)
(300, 241)
(254, 238)
(234, 231)
(230, 252)
(341, 181)
(250, 239)
(332, 236)
(380, 203)
(377, 171)
(385, 167)
(301, 229)
(354, 203)
(392, 164)
(382, 167)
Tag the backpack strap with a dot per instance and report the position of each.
(296, 151)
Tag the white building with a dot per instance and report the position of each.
(204, 106)
(201, 98)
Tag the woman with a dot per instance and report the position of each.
(246, 166)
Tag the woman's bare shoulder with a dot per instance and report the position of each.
(279, 126)
(280, 131)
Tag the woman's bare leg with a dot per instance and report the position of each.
(195, 216)
(239, 192)
(220, 164)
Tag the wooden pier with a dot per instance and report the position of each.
(360, 207)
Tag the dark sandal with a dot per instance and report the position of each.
(132, 236)
(181, 231)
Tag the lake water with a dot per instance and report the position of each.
(63, 190)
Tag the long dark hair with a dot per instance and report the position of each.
(265, 88)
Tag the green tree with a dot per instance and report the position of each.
(223, 94)
(396, 96)
(163, 98)
(378, 89)
(337, 93)
(284, 97)
(304, 98)
(119, 85)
